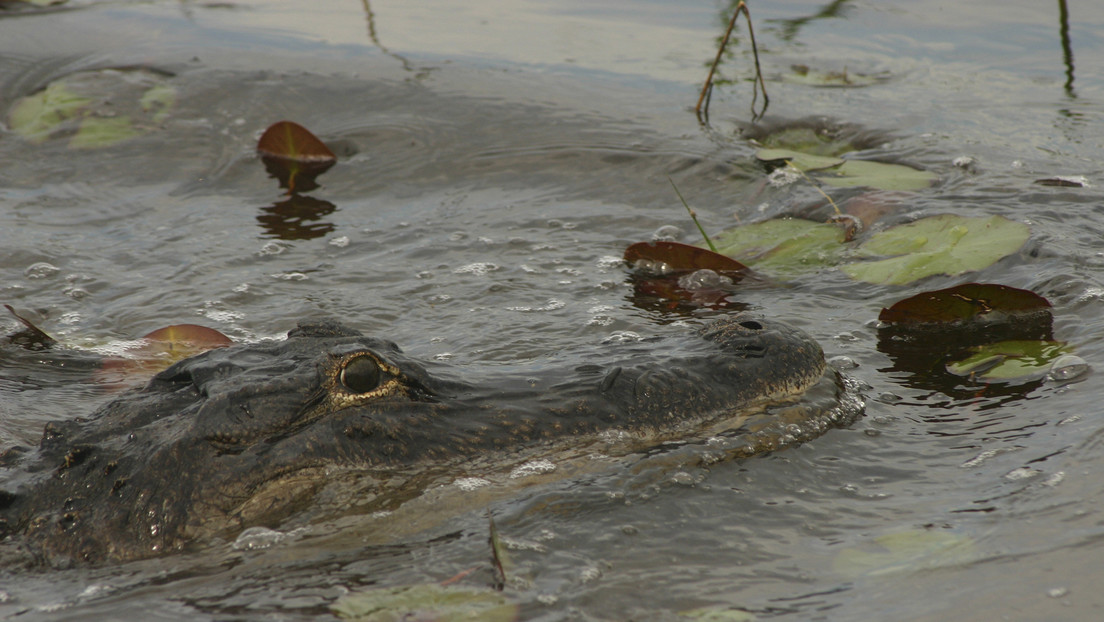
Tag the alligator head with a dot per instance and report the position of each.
(247, 435)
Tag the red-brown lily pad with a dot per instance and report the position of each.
(293, 155)
(664, 258)
(158, 350)
(964, 303)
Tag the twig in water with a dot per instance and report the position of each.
(702, 108)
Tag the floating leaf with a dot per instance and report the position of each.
(36, 116)
(103, 131)
(662, 257)
(803, 74)
(784, 246)
(717, 614)
(160, 349)
(94, 108)
(1063, 181)
(426, 602)
(967, 302)
(842, 173)
(1010, 361)
(295, 156)
(946, 244)
(905, 551)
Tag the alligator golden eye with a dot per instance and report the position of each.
(361, 374)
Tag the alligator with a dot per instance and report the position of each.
(248, 435)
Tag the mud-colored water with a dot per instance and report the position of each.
(495, 159)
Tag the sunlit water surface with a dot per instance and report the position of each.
(495, 160)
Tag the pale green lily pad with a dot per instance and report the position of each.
(805, 140)
(843, 173)
(1010, 361)
(426, 602)
(714, 614)
(911, 550)
(94, 108)
(157, 101)
(803, 74)
(946, 244)
(783, 247)
(34, 117)
(102, 132)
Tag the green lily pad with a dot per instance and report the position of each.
(784, 246)
(1010, 361)
(34, 117)
(426, 602)
(803, 74)
(102, 132)
(716, 614)
(843, 173)
(946, 244)
(805, 140)
(94, 108)
(911, 550)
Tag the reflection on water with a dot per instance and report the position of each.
(297, 218)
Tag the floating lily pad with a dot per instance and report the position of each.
(30, 336)
(426, 602)
(946, 244)
(784, 246)
(905, 551)
(803, 74)
(94, 108)
(986, 302)
(840, 172)
(295, 156)
(158, 350)
(34, 117)
(717, 614)
(663, 257)
(1010, 361)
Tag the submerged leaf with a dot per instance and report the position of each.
(1010, 361)
(96, 108)
(36, 116)
(946, 244)
(907, 551)
(967, 302)
(425, 602)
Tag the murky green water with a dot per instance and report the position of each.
(495, 160)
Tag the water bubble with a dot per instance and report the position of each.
(607, 262)
(271, 248)
(1057, 592)
(340, 242)
(1067, 368)
(843, 362)
(668, 233)
(704, 279)
(40, 270)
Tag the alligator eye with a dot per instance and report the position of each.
(361, 374)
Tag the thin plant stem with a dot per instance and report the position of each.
(702, 107)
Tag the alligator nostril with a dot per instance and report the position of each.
(751, 325)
